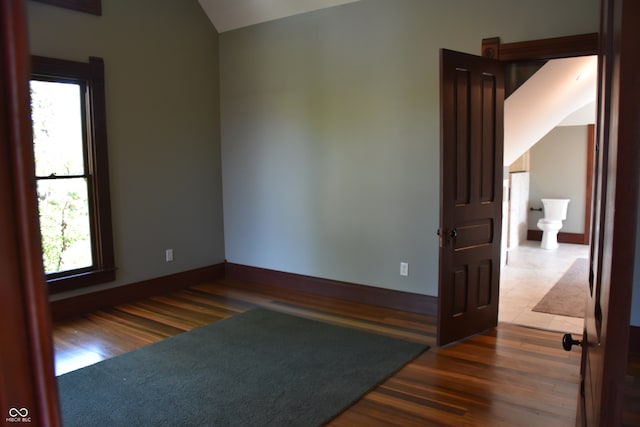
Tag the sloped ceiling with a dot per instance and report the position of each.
(561, 93)
(231, 14)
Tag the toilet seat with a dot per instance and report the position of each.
(550, 223)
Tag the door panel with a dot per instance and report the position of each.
(615, 226)
(472, 98)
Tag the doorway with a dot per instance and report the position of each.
(542, 288)
(468, 139)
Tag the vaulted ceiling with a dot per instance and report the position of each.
(231, 14)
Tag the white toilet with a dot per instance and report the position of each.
(555, 211)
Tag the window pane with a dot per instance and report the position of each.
(56, 114)
(64, 224)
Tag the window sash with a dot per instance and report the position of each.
(84, 121)
(67, 233)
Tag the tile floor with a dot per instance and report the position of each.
(529, 274)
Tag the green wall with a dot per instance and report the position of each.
(329, 123)
(161, 70)
(330, 131)
(559, 170)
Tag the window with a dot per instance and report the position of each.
(70, 151)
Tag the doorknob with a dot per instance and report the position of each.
(568, 342)
(453, 233)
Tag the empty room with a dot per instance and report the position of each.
(288, 213)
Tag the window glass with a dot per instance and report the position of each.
(56, 113)
(64, 224)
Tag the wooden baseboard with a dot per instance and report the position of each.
(389, 298)
(634, 339)
(399, 300)
(86, 303)
(574, 238)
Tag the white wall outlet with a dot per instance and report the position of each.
(404, 268)
(168, 255)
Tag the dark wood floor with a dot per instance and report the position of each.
(506, 377)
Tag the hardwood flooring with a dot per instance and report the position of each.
(509, 376)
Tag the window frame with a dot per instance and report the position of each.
(90, 76)
(94, 7)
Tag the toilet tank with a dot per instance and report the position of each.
(555, 208)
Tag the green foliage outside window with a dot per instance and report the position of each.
(60, 173)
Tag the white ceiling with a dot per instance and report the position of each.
(584, 116)
(231, 14)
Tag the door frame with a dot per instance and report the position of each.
(623, 242)
(543, 49)
(617, 224)
(28, 389)
(546, 49)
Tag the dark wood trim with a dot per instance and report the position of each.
(406, 301)
(25, 330)
(102, 222)
(608, 311)
(575, 238)
(45, 66)
(552, 48)
(93, 7)
(491, 47)
(80, 280)
(634, 339)
(75, 306)
(588, 204)
(399, 300)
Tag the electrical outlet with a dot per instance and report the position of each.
(168, 255)
(404, 268)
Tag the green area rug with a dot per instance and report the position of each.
(259, 368)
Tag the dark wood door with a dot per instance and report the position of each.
(27, 385)
(607, 316)
(472, 101)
